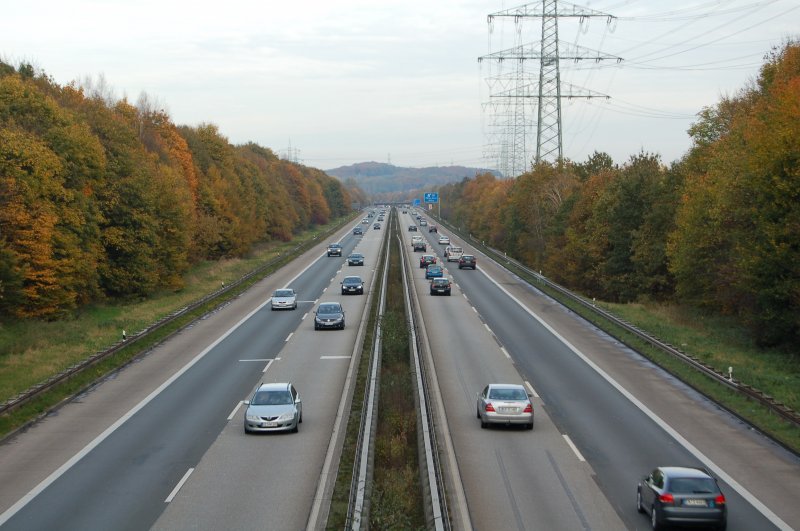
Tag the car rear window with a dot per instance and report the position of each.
(692, 486)
(508, 394)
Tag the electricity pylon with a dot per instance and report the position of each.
(511, 104)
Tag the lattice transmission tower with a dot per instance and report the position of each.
(522, 99)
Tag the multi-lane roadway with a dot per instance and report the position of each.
(160, 444)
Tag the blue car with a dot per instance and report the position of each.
(434, 271)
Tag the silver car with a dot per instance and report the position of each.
(284, 299)
(505, 404)
(329, 315)
(274, 407)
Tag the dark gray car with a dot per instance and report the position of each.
(329, 315)
(675, 495)
(352, 285)
(355, 259)
(274, 407)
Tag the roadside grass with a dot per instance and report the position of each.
(33, 351)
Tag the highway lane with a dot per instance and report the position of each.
(513, 478)
(122, 482)
(267, 481)
(620, 441)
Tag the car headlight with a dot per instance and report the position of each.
(252, 418)
(286, 416)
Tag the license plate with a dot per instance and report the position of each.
(695, 503)
(269, 424)
(508, 410)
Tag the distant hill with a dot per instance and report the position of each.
(387, 182)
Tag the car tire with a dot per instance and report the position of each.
(484, 425)
(655, 521)
(295, 306)
(529, 426)
(316, 327)
(300, 420)
(723, 526)
(296, 428)
(639, 506)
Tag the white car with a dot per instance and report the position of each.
(444, 240)
(284, 299)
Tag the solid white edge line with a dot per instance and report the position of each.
(179, 485)
(334, 357)
(574, 448)
(22, 502)
(233, 413)
(531, 389)
(288, 337)
(735, 485)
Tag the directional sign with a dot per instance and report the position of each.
(431, 197)
(417, 202)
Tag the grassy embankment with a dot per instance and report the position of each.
(33, 351)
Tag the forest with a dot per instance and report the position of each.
(103, 199)
(717, 230)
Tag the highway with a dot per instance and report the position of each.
(128, 480)
(160, 443)
(622, 431)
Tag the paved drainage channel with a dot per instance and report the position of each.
(395, 479)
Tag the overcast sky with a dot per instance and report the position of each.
(345, 81)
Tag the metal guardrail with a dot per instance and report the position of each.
(71, 371)
(767, 401)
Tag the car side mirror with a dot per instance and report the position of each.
(246, 402)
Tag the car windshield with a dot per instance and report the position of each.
(329, 308)
(352, 280)
(272, 398)
(508, 394)
(355, 255)
(692, 486)
(284, 293)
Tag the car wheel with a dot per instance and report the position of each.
(301, 417)
(654, 520)
(639, 506)
(529, 426)
(296, 428)
(723, 526)
(316, 327)
(295, 306)
(478, 412)
(484, 425)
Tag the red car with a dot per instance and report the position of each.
(426, 259)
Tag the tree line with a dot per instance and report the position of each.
(718, 229)
(100, 198)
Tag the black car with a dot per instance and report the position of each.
(334, 249)
(467, 261)
(329, 315)
(352, 284)
(412, 228)
(675, 495)
(376, 226)
(355, 259)
(358, 231)
(440, 286)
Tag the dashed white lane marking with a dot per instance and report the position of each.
(531, 389)
(326, 289)
(574, 448)
(261, 359)
(474, 310)
(487, 327)
(233, 413)
(503, 349)
(267, 367)
(288, 337)
(179, 485)
(334, 357)
(304, 316)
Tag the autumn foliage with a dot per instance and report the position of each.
(719, 229)
(101, 198)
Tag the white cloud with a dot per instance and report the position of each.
(352, 80)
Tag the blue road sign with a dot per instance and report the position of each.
(417, 202)
(432, 197)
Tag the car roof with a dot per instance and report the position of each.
(684, 472)
(506, 386)
(281, 386)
